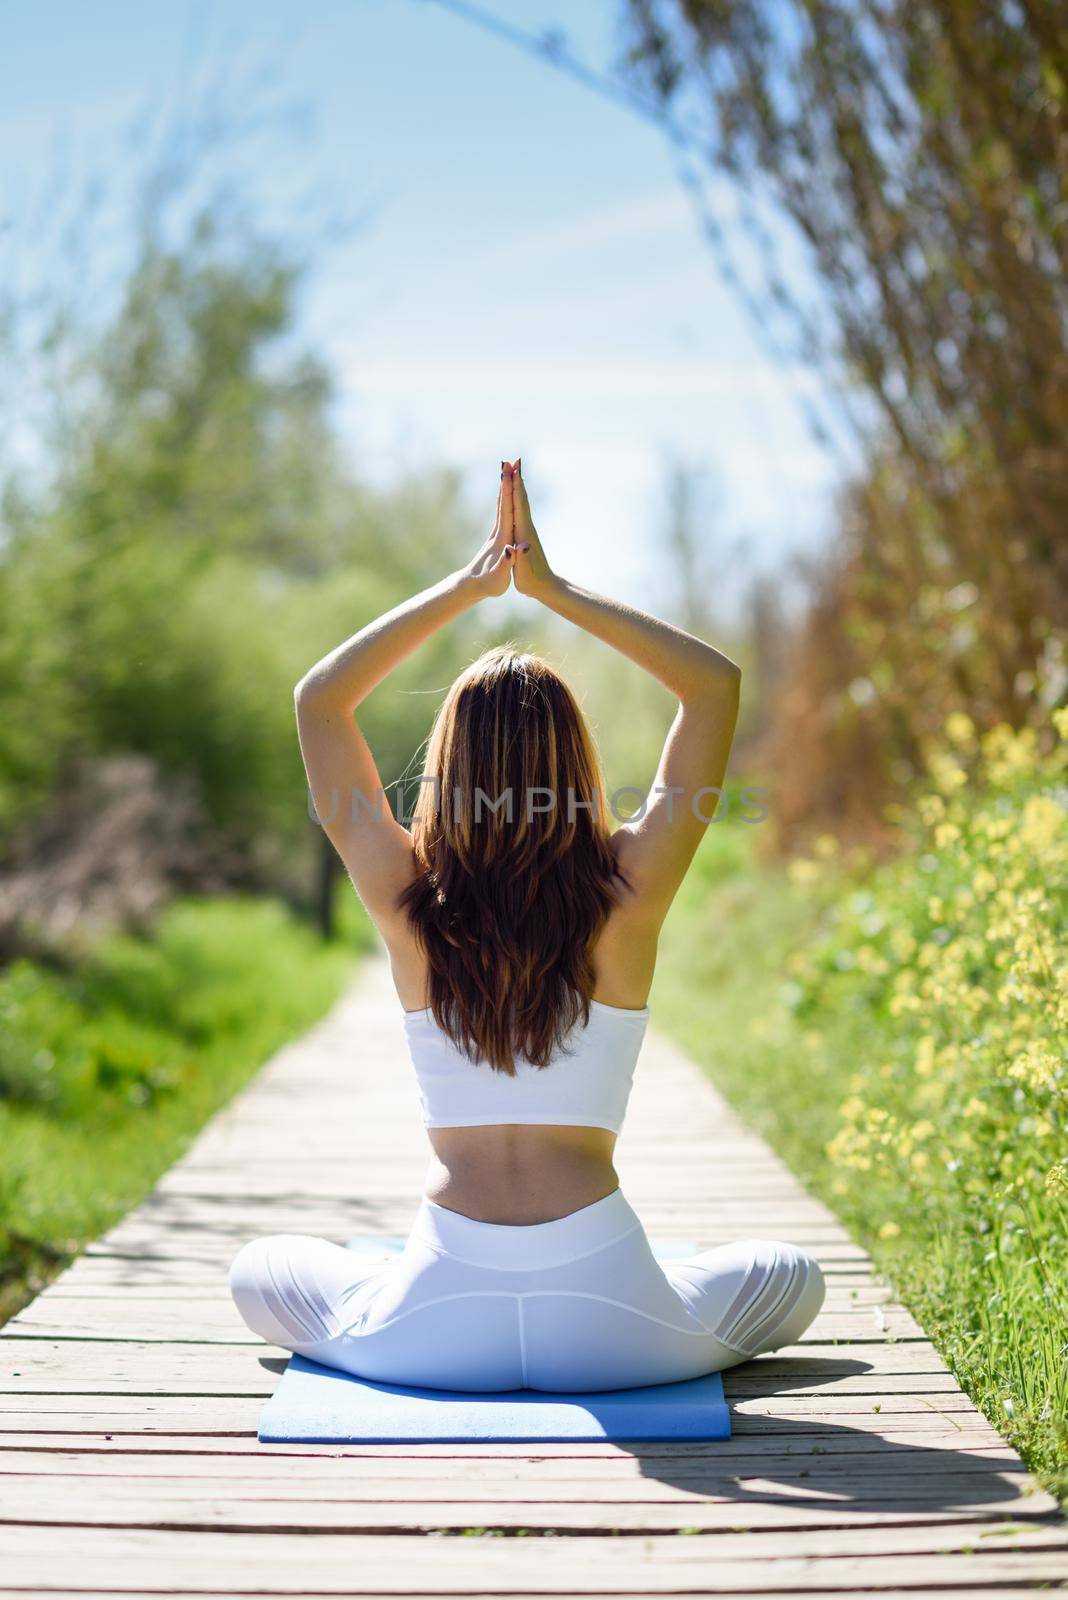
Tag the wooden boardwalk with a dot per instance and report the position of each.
(130, 1393)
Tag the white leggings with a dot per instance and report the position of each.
(572, 1305)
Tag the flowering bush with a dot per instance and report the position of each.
(950, 970)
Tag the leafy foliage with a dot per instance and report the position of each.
(108, 1070)
(196, 542)
(917, 156)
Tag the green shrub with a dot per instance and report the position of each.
(108, 1072)
(899, 1035)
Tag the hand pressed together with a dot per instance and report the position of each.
(513, 550)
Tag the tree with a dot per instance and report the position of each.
(192, 536)
(919, 153)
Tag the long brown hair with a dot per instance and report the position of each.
(506, 909)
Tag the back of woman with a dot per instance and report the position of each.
(521, 928)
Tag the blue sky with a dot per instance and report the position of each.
(529, 277)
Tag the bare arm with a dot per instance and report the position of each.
(345, 785)
(655, 848)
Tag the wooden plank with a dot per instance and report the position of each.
(1001, 1592)
(425, 1464)
(750, 1562)
(605, 1461)
(84, 1367)
(165, 1506)
(188, 1380)
(806, 1422)
(349, 1488)
(877, 1357)
(213, 1319)
(974, 1592)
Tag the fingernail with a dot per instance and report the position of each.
(519, 464)
(503, 466)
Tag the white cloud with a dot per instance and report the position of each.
(572, 376)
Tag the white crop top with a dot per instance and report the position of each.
(586, 1085)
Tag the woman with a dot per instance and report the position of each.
(522, 935)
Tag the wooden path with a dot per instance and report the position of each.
(130, 1392)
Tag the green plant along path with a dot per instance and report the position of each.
(898, 1035)
(107, 1072)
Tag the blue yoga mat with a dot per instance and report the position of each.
(317, 1405)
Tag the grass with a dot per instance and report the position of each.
(109, 1070)
(897, 1035)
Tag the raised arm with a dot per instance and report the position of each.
(345, 785)
(655, 848)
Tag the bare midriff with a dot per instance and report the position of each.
(518, 1173)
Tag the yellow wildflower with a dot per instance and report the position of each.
(960, 729)
(1008, 754)
(925, 1055)
(1043, 822)
(804, 872)
(984, 882)
(946, 773)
